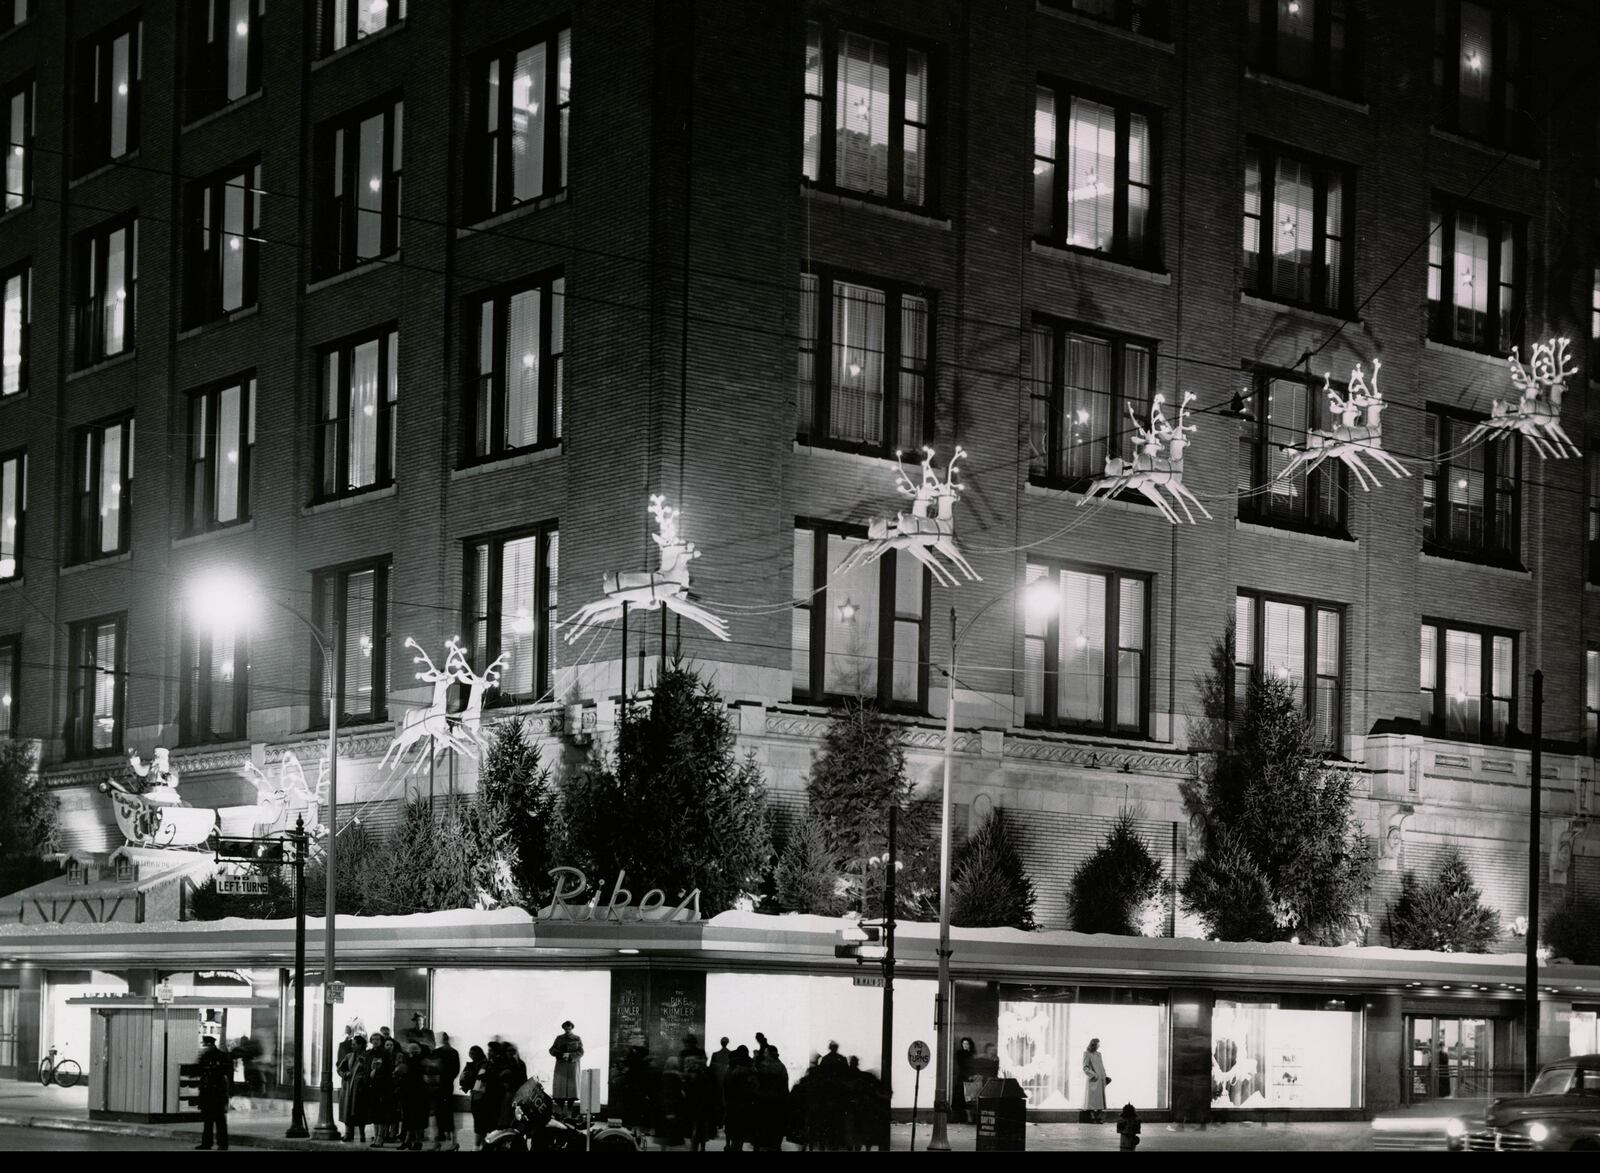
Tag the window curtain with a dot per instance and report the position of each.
(519, 631)
(359, 634)
(1333, 242)
(1141, 182)
(1036, 627)
(552, 564)
(858, 348)
(17, 156)
(1471, 278)
(233, 242)
(862, 116)
(110, 489)
(1040, 377)
(1476, 68)
(1287, 415)
(116, 292)
(527, 124)
(851, 623)
(1326, 715)
(1091, 167)
(914, 154)
(1297, 22)
(1293, 193)
(1087, 424)
(369, 189)
(11, 490)
(1081, 649)
(223, 671)
(363, 415)
(238, 47)
(120, 93)
(1430, 673)
(811, 152)
(11, 373)
(912, 404)
(1044, 163)
(801, 586)
(105, 686)
(1130, 654)
(806, 356)
(522, 369)
(1252, 218)
(1463, 683)
(228, 454)
(1284, 644)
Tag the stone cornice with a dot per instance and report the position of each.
(1171, 763)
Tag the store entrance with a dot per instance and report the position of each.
(1451, 1058)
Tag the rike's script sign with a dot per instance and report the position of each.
(574, 900)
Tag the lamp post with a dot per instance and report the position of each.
(1040, 595)
(220, 597)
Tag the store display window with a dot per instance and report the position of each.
(1044, 1033)
(1285, 1053)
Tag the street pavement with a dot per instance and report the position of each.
(58, 1119)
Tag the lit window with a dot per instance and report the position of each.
(16, 288)
(96, 670)
(358, 212)
(1083, 386)
(354, 602)
(868, 143)
(1474, 277)
(1480, 71)
(223, 245)
(10, 686)
(1470, 494)
(222, 436)
(16, 107)
(1591, 702)
(515, 397)
(345, 22)
(1297, 225)
(13, 512)
(870, 388)
(1094, 176)
(13, 13)
(213, 691)
(1468, 682)
(1289, 408)
(1085, 661)
(523, 107)
(107, 94)
(104, 495)
(360, 389)
(1307, 41)
(224, 53)
(105, 275)
(511, 611)
(861, 632)
(1299, 643)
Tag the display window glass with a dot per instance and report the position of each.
(367, 1008)
(526, 1007)
(1583, 1032)
(66, 1028)
(1266, 1055)
(801, 1014)
(1044, 1043)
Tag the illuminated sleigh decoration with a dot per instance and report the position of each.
(1149, 473)
(927, 533)
(1349, 441)
(150, 814)
(1537, 415)
(649, 590)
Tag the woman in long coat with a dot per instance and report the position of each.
(477, 1080)
(353, 1106)
(379, 1099)
(1094, 1073)
(412, 1087)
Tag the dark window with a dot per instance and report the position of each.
(96, 671)
(511, 610)
(1470, 497)
(1148, 17)
(1295, 641)
(13, 13)
(1298, 239)
(104, 490)
(358, 187)
(352, 607)
(16, 105)
(224, 53)
(1481, 66)
(1469, 682)
(223, 245)
(1592, 532)
(522, 102)
(213, 690)
(1310, 41)
(1591, 702)
(868, 115)
(863, 365)
(13, 512)
(861, 632)
(16, 287)
(1083, 387)
(360, 382)
(105, 276)
(344, 22)
(1474, 277)
(1094, 175)
(515, 395)
(1289, 406)
(222, 436)
(1086, 660)
(10, 685)
(106, 89)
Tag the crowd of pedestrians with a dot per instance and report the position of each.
(397, 1088)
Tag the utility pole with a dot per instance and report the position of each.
(297, 1115)
(1530, 987)
(888, 957)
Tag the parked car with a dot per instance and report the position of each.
(1560, 1113)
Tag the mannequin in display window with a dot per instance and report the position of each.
(1095, 1080)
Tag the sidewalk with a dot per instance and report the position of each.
(30, 1106)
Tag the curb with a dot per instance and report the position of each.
(148, 1132)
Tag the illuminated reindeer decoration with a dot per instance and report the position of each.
(466, 727)
(430, 722)
(1348, 440)
(1537, 415)
(928, 531)
(650, 589)
(279, 802)
(1150, 472)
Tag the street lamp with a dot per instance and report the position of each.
(1039, 596)
(222, 598)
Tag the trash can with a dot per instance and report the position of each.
(1002, 1117)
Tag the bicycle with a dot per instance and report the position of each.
(63, 1072)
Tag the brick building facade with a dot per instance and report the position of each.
(754, 249)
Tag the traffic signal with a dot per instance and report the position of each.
(860, 941)
(262, 851)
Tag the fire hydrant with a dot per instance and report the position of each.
(1128, 1126)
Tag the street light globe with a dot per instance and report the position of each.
(1040, 598)
(220, 598)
